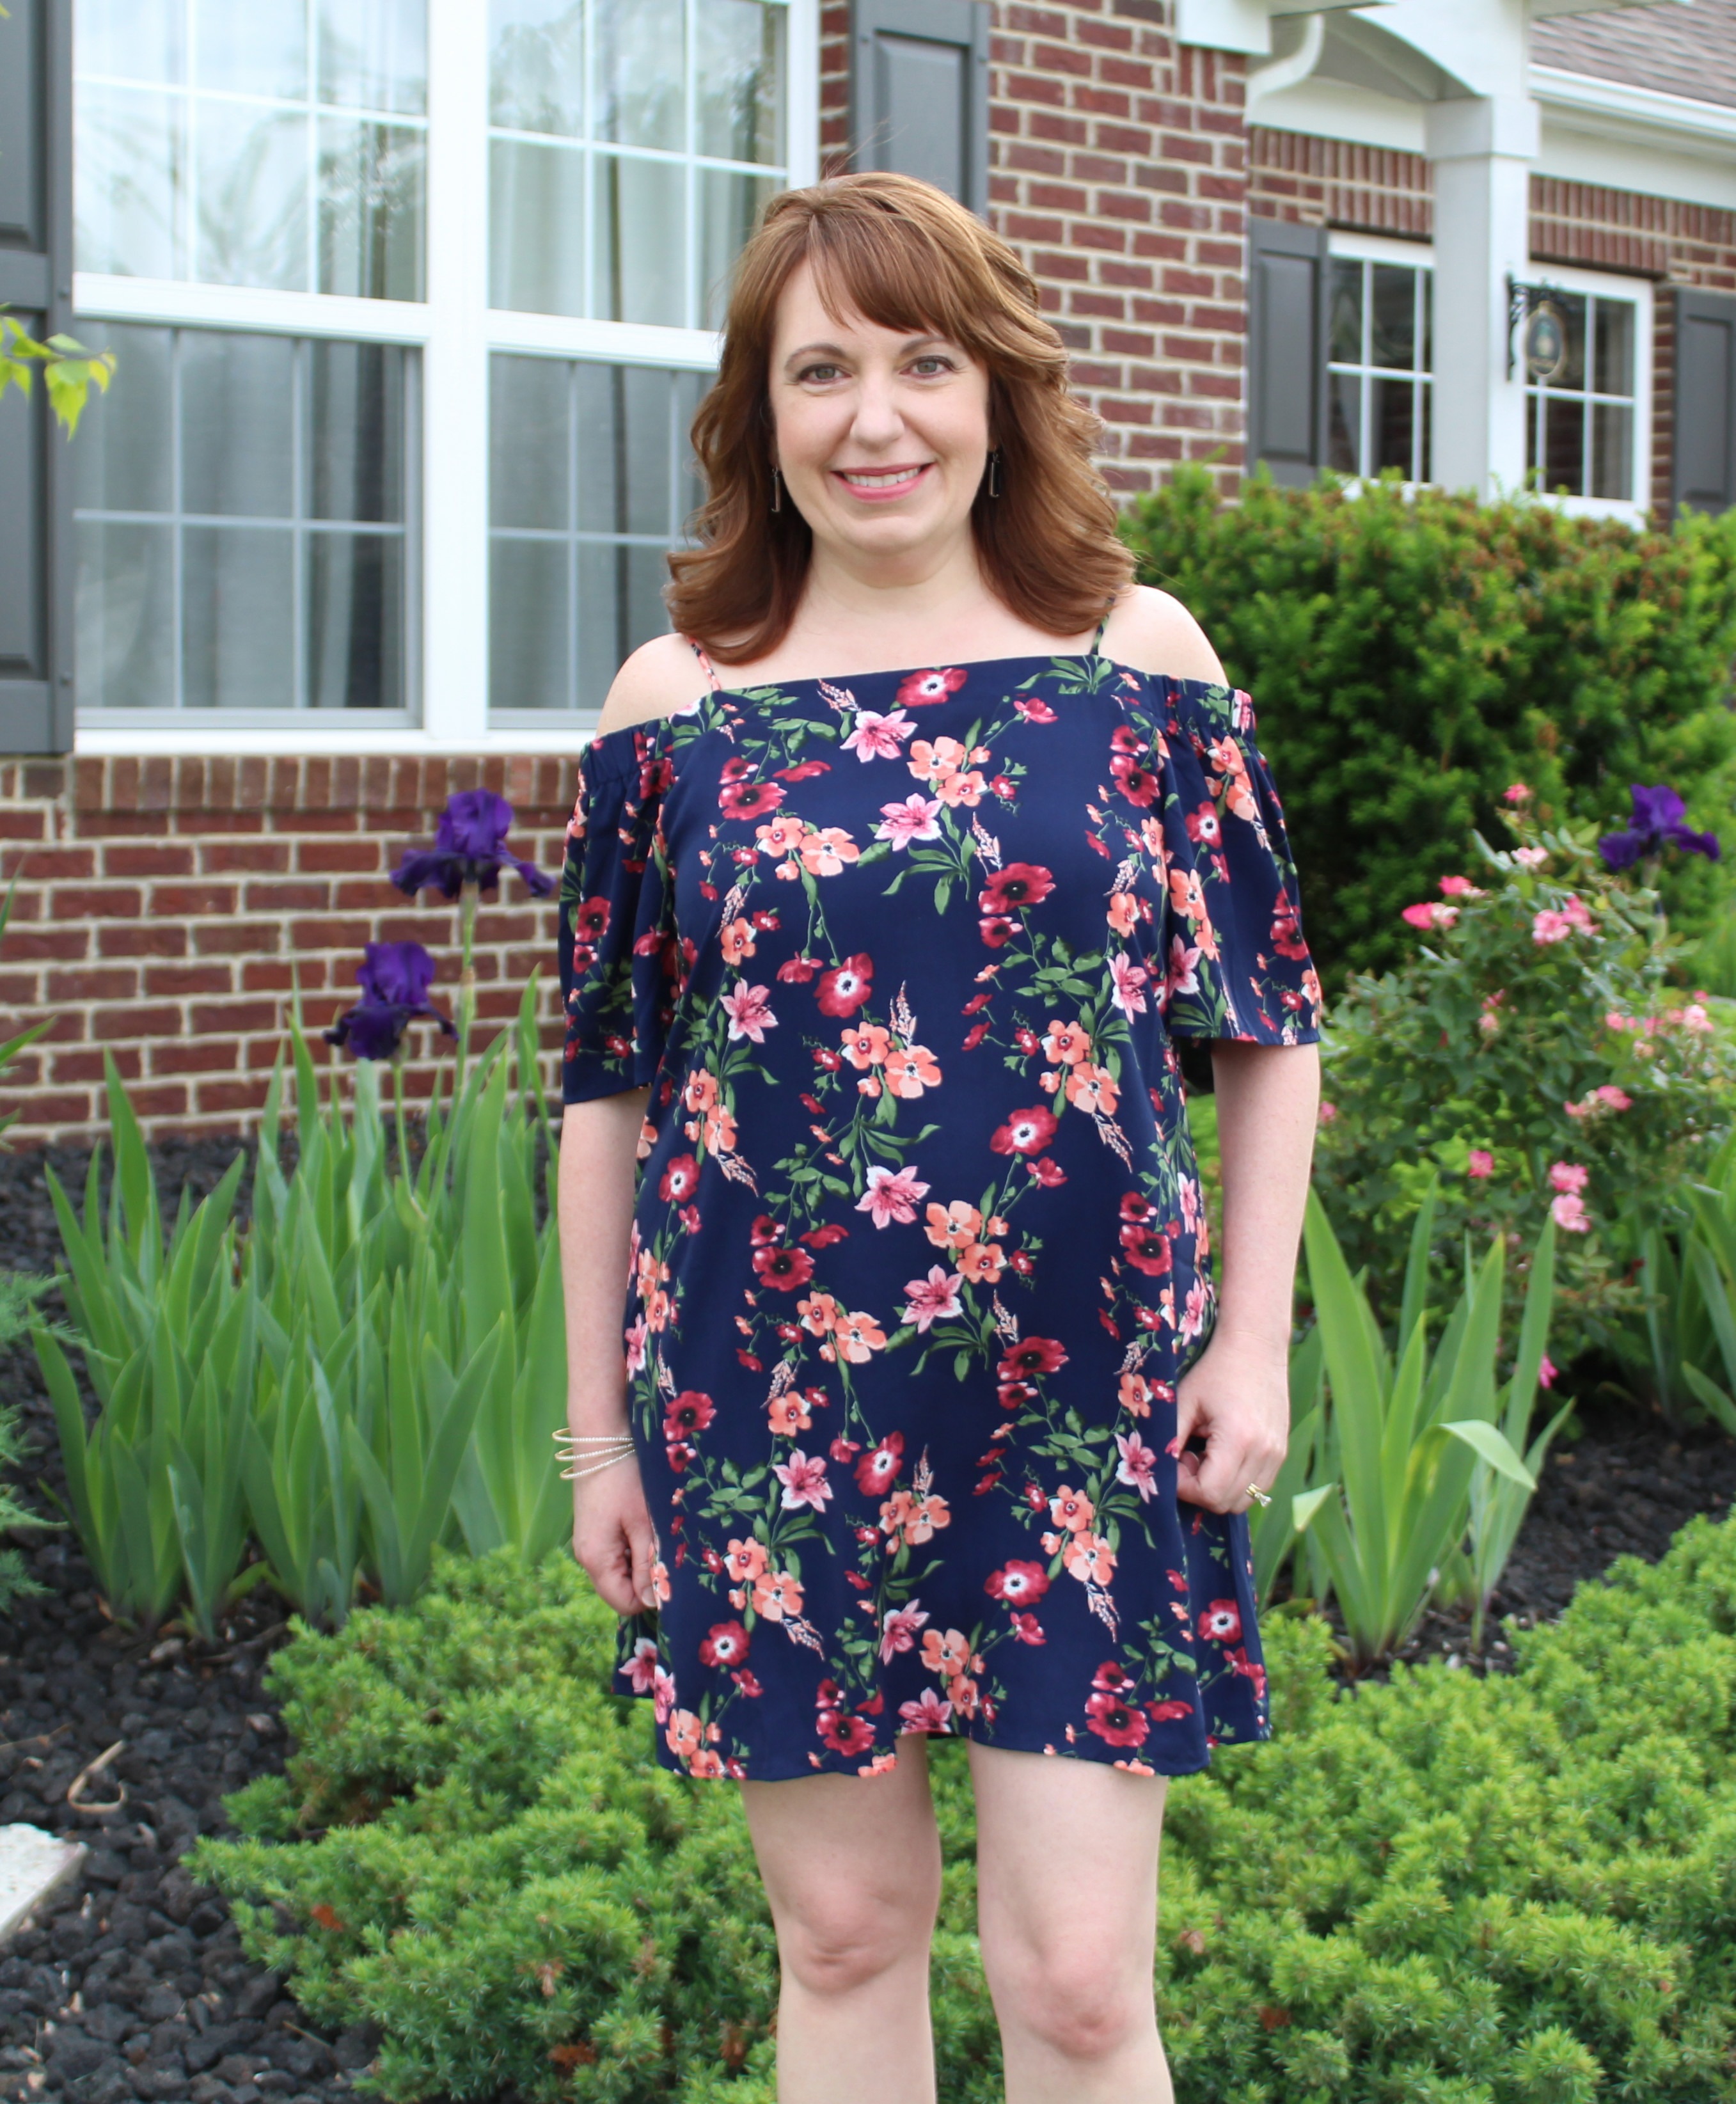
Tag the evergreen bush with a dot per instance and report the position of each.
(1519, 1890)
(1411, 656)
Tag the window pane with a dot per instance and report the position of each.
(625, 414)
(358, 426)
(1612, 450)
(1344, 424)
(528, 626)
(728, 205)
(738, 74)
(130, 157)
(1392, 426)
(1613, 368)
(690, 489)
(355, 622)
(371, 209)
(527, 442)
(537, 66)
(621, 606)
(252, 173)
(1345, 324)
(250, 46)
(373, 54)
(1393, 340)
(126, 463)
(237, 601)
(238, 436)
(1563, 444)
(126, 616)
(640, 240)
(640, 67)
(1427, 363)
(535, 199)
(130, 39)
(1425, 436)
(1572, 307)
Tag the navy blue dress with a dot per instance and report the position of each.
(918, 1251)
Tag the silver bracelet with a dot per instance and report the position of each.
(573, 1475)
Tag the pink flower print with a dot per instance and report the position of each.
(892, 1195)
(1028, 1629)
(1127, 985)
(1571, 1215)
(878, 1468)
(898, 1630)
(1018, 1583)
(1025, 1132)
(749, 1008)
(842, 990)
(1568, 1176)
(640, 1670)
(725, 1643)
(877, 737)
(1181, 977)
(924, 690)
(929, 1713)
(1137, 1462)
(916, 818)
(803, 1478)
(1193, 1315)
(933, 1297)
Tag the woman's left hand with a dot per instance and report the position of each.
(1236, 1395)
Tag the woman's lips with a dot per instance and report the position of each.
(881, 492)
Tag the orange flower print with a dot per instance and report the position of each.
(746, 1560)
(982, 1263)
(953, 1226)
(1187, 894)
(911, 1071)
(1072, 1509)
(782, 836)
(826, 851)
(1226, 757)
(660, 1578)
(720, 1130)
(819, 1313)
(1091, 1088)
(788, 1413)
(946, 1652)
(1088, 1558)
(684, 1734)
(700, 1091)
(1124, 913)
(962, 1693)
(858, 1337)
(1071, 1041)
(738, 940)
(913, 1519)
(867, 1045)
(776, 1593)
(1136, 1394)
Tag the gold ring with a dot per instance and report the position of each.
(1255, 1491)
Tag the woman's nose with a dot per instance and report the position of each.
(878, 420)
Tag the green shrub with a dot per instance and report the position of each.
(1480, 1062)
(18, 1298)
(1513, 1891)
(1410, 657)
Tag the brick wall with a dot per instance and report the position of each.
(166, 908)
(1329, 182)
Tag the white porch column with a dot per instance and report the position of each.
(1482, 147)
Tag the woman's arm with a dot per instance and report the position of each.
(1237, 1391)
(611, 1534)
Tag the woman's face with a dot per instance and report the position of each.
(881, 436)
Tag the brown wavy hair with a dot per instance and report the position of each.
(904, 254)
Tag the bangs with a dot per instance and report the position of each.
(892, 270)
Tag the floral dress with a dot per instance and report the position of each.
(918, 1251)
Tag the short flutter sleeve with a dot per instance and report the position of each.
(1238, 966)
(618, 948)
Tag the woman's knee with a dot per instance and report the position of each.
(835, 1941)
(1078, 1996)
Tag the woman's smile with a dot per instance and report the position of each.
(876, 485)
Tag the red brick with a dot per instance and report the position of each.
(236, 939)
(142, 938)
(137, 1021)
(93, 982)
(285, 897)
(189, 899)
(88, 1063)
(138, 858)
(45, 1111)
(18, 989)
(47, 943)
(210, 1017)
(69, 902)
(266, 975)
(329, 934)
(49, 865)
(204, 1055)
(163, 1099)
(222, 856)
(182, 982)
(338, 857)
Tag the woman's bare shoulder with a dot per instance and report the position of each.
(1155, 633)
(661, 677)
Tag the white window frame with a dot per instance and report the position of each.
(455, 332)
(1384, 249)
(1607, 284)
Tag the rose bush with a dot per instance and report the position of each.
(1535, 1057)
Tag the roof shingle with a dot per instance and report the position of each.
(1687, 51)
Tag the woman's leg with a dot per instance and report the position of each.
(852, 1866)
(1066, 1885)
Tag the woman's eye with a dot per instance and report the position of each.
(932, 364)
(818, 373)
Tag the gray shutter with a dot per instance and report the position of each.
(1286, 349)
(919, 92)
(1702, 468)
(36, 209)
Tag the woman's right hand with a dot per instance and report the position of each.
(612, 1537)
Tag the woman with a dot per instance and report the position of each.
(917, 1428)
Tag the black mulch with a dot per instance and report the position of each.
(134, 1985)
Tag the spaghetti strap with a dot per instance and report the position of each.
(1096, 640)
(710, 669)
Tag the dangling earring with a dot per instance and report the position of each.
(777, 488)
(995, 472)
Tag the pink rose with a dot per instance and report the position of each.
(1568, 1176)
(1481, 1163)
(1519, 793)
(1571, 1213)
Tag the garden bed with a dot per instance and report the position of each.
(135, 1986)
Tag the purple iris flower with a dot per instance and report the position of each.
(394, 978)
(1658, 823)
(470, 848)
